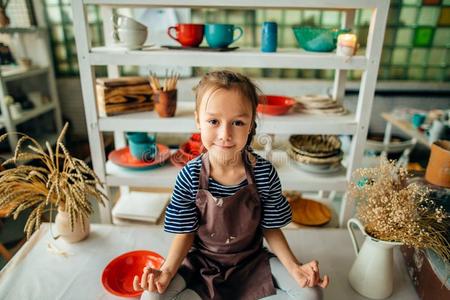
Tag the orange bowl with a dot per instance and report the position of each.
(275, 105)
(118, 275)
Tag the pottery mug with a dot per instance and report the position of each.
(142, 147)
(188, 35)
(222, 35)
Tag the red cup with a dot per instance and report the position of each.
(188, 35)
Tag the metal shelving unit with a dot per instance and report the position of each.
(354, 124)
(33, 41)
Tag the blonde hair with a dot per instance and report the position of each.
(229, 80)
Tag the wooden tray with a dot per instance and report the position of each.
(309, 212)
(200, 48)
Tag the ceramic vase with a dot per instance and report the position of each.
(62, 225)
(372, 273)
(438, 168)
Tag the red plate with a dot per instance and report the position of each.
(178, 159)
(275, 105)
(122, 157)
(118, 275)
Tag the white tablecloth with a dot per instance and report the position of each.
(36, 273)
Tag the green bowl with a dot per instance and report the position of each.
(317, 39)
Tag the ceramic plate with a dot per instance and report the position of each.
(318, 169)
(122, 157)
(200, 48)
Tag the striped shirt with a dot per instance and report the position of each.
(182, 215)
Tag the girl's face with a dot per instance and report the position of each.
(224, 119)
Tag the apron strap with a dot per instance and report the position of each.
(204, 172)
(248, 167)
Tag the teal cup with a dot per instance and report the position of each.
(145, 151)
(142, 146)
(222, 35)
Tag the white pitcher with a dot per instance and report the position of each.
(372, 273)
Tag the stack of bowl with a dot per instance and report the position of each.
(315, 153)
(188, 151)
(128, 32)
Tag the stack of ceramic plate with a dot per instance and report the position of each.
(319, 105)
(315, 153)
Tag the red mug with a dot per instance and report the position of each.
(188, 35)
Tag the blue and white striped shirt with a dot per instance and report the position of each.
(181, 213)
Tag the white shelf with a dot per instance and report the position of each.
(248, 4)
(291, 178)
(242, 57)
(16, 73)
(292, 123)
(30, 114)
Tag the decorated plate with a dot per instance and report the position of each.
(123, 158)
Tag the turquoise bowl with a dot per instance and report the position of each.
(317, 39)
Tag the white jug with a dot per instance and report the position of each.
(372, 273)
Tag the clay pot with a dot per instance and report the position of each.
(165, 103)
(438, 168)
(4, 19)
(62, 225)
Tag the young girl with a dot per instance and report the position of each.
(224, 202)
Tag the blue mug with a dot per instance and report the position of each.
(269, 37)
(145, 151)
(138, 137)
(221, 35)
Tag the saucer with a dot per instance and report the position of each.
(200, 48)
(122, 157)
(122, 47)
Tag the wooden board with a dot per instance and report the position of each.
(122, 81)
(308, 212)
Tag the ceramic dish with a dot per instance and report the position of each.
(318, 168)
(118, 275)
(200, 48)
(275, 105)
(123, 158)
(315, 160)
(310, 144)
(317, 39)
(315, 154)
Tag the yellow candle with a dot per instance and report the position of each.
(347, 39)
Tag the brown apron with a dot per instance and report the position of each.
(228, 260)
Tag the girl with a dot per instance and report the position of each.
(224, 202)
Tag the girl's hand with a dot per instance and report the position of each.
(308, 275)
(153, 280)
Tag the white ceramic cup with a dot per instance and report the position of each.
(121, 21)
(131, 39)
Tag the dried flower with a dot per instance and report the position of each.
(392, 209)
(63, 181)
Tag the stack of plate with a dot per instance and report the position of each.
(319, 105)
(315, 153)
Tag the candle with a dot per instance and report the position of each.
(346, 44)
(347, 39)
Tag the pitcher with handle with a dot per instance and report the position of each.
(372, 273)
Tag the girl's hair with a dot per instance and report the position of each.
(230, 81)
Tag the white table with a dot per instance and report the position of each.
(36, 273)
